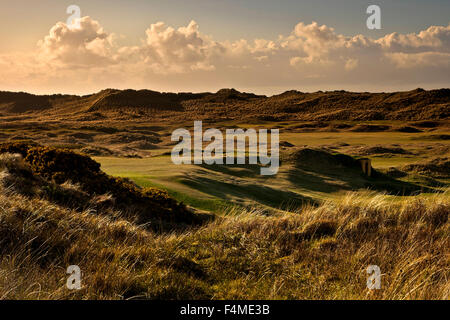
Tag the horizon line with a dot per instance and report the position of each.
(213, 92)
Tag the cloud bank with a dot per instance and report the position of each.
(88, 58)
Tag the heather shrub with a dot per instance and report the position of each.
(62, 165)
(17, 147)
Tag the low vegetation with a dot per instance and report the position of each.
(141, 227)
(419, 104)
(56, 169)
(317, 252)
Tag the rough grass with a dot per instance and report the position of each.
(54, 167)
(437, 167)
(317, 253)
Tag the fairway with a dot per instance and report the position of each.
(212, 187)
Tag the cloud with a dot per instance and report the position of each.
(183, 58)
(88, 45)
(169, 50)
(435, 38)
(420, 60)
(428, 48)
(322, 46)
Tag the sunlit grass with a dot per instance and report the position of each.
(316, 253)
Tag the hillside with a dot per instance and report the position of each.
(231, 104)
(314, 253)
(141, 227)
(75, 181)
(12, 102)
(144, 99)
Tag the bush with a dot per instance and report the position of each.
(17, 147)
(61, 165)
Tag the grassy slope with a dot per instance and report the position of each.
(210, 187)
(336, 105)
(319, 253)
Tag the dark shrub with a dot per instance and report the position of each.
(61, 165)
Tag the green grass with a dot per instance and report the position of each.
(354, 138)
(386, 162)
(211, 187)
(313, 252)
(212, 205)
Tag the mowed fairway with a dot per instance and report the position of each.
(211, 188)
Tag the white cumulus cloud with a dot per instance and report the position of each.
(184, 58)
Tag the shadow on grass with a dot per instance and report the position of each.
(263, 194)
(237, 170)
(327, 180)
(351, 179)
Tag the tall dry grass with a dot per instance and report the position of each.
(316, 253)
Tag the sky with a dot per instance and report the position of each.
(261, 46)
